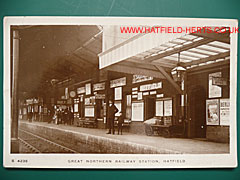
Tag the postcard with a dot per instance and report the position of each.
(120, 92)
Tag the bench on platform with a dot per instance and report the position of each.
(168, 130)
(87, 123)
(125, 125)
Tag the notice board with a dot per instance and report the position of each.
(137, 111)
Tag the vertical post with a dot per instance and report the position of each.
(15, 108)
(185, 110)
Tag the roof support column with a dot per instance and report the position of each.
(15, 107)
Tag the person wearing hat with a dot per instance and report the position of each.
(112, 110)
(120, 123)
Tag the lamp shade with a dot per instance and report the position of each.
(177, 73)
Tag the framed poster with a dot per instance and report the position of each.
(212, 112)
(75, 107)
(214, 90)
(159, 108)
(225, 112)
(88, 88)
(89, 111)
(129, 100)
(87, 101)
(118, 93)
(139, 95)
(137, 111)
(168, 107)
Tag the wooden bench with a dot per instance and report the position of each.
(161, 130)
(125, 125)
(90, 123)
(168, 130)
(87, 123)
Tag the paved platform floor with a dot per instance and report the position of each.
(185, 146)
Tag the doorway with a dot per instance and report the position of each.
(149, 108)
(198, 112)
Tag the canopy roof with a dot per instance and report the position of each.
(196, 49)
(56, 54)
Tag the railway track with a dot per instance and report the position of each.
(36, 144)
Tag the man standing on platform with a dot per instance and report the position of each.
(112, 109)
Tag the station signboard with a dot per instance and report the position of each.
(80, 90)
(141, 78)
(153, 86)
(118, 82)
(99, 86)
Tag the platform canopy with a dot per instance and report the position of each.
(55, 54)
(147, 54)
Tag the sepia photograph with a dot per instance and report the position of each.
(119, 92)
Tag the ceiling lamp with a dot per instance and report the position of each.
(178, 72)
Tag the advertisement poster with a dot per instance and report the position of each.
(214, 90)
(137, 111)
(75, 107)
(89, 111)
(118, 93)
(212, 106)
(225, 112)
(168, 108)
(88, 88)
(140, 95)
(159, 108)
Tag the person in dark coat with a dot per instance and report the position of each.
(120, 123)
(112, 110)
(65, 116)
(30, 115)
(70, 116)
(51, 114)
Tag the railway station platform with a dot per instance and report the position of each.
(92, 140)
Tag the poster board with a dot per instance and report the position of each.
(139, 96)
(159, 108)
(138, 111)
(224, 112)
(212, 111)
(89, 111)
(214, 90)
(75, 107)
(168, 107)
(88, 88)
(118, 93)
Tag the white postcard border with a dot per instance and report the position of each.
(165, 161)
